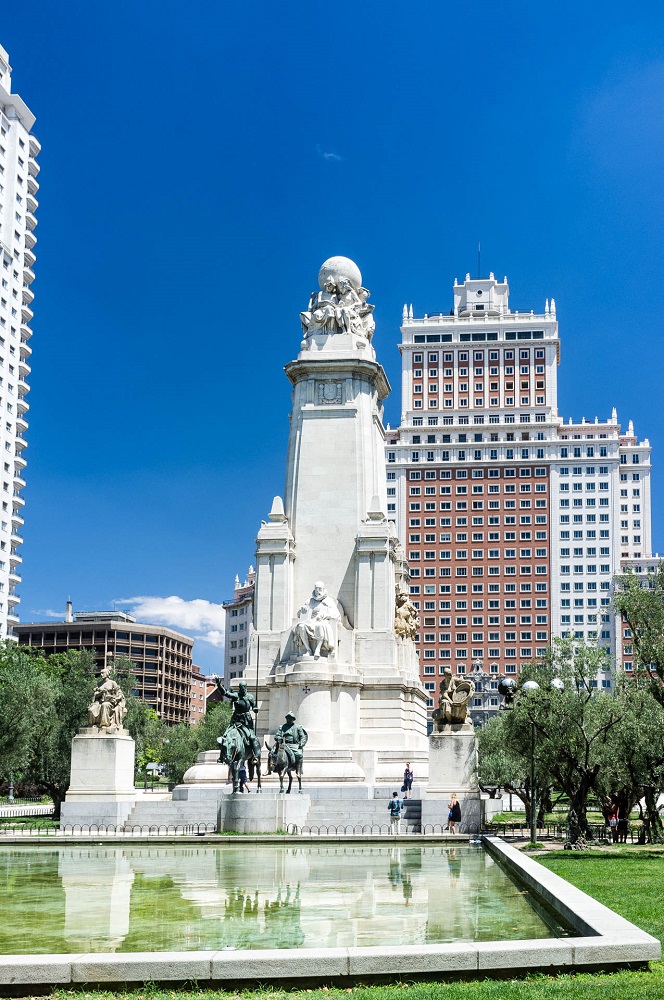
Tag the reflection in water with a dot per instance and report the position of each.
(158, 898)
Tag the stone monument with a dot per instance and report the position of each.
(101, 786)
(453, 757)
(333, 626)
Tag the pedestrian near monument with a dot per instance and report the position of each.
(407, 786)
(244, 780)
(454, 815)
(394, 807)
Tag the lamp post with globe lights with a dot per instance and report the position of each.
(509, 689)
(531, 687)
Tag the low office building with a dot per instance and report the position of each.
(161, 658)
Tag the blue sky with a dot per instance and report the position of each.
(200, 161)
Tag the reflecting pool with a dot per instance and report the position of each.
(190, 898)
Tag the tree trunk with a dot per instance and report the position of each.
(578, 799)
(57, 793)
(653, 821)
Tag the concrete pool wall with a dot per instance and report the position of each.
(605, 940)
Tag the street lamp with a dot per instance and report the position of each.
(531, 687)
(508, 688)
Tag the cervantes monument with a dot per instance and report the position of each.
(333, 624)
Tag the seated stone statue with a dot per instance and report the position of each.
(109, 707)
(315, 631)
(455, 695)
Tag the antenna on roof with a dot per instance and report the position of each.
(479, 258)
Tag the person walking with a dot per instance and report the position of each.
(613, 822)
(244, 780)
(454, 815)
(394, 808)
(407, 781)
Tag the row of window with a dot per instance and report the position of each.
(478, 588)
(463, 356)
(416, 554)
(415, 475)
(478, 536)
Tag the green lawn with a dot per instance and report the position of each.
(629, 880)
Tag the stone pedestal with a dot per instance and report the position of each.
(101, 789)
(452, 768)
(265, 813)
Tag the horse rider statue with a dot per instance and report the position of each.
(290, 740)
(239, 741)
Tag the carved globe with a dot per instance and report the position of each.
(340, 267)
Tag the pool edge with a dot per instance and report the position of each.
(607, 941)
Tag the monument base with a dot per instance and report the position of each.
(266, 813)
(101, 787)
(452, 769)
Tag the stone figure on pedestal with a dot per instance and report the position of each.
(341, 304)
(455, 695)
(315, 632)
(406, 618)
(108, 707)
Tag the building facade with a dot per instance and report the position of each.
(239, 627)
(514, 522)
(161, 658)
(19, 169)
(199, 684)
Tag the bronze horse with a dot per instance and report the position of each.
(234, 751)
(279, 763)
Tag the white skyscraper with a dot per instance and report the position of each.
(18, 205)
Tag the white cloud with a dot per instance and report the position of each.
(204, 619)
(329, 155)
(215, 637)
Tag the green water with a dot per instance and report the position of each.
(170, 898)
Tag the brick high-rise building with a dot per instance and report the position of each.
(18, 206)
(514, 523)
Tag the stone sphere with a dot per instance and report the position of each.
(340, 267)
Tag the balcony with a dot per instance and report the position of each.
(30, 239)
(14, 560)
(28, 275)
(16, 539)
(28, 295)
(26, 313)
(26, 350)
(24, 368)
(31, 202)
(28, 258)
(18, 499)
(33, 168)
(21, 425)
(30, 221)
(12, 619)
(14, 578)
(26, 332)
(17, 519)
(34, 145)
(18, 482)
(19, 462)
(33, 184)
(23, 387)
